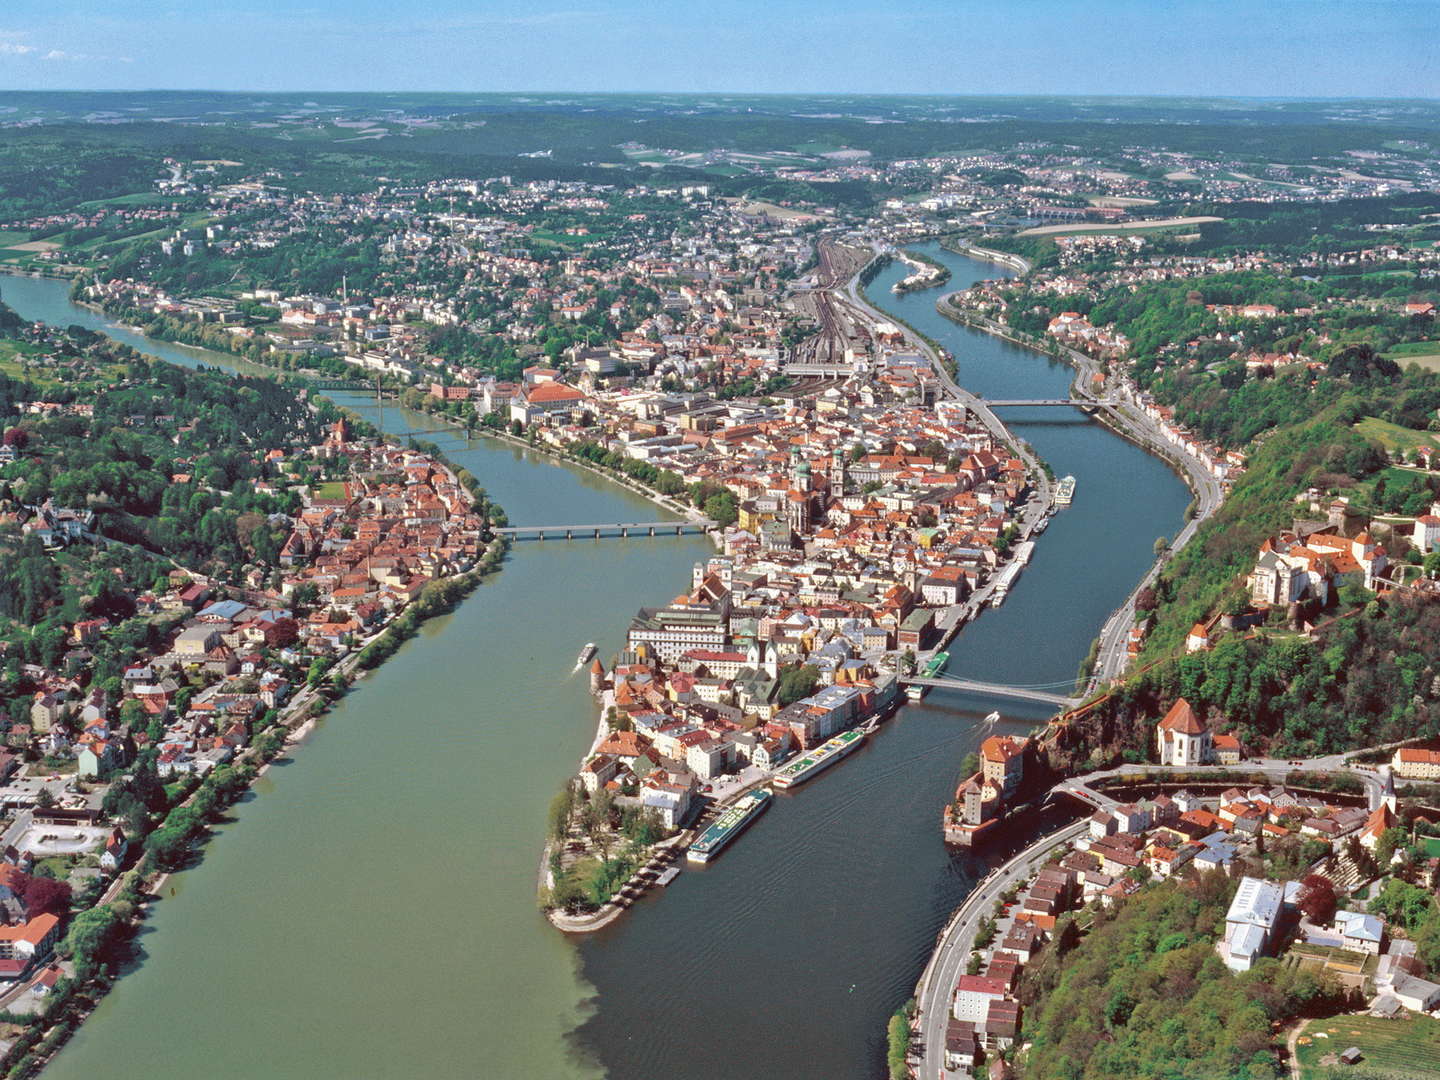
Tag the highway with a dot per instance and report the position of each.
(1113, 655)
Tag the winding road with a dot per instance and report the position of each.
(953, 947)
(1112, 656)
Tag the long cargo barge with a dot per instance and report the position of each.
(735, 820)
(819, 759)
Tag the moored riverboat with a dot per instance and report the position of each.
(820, 759)
(730, 824)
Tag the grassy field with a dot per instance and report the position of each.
(1414, 348)
(1422, 354)
(138, 198)
(1403, 1049)
(333, 489)
(1163, 225)
(1393, 436)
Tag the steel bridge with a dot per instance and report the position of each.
(607, 529)
(975, 686)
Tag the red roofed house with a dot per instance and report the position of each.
(546, 397)
(20, 946)
(1228, 750)
(1002, 761)
(1416, 763)
(973, 995)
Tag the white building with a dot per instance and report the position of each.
(1182, 739)
(1250, 923)
(1427, 533)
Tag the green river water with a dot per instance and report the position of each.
(370, 911)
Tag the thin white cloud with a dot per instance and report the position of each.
(13, 43)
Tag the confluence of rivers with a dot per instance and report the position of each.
(374, 913)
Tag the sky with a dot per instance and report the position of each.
(1268, 48)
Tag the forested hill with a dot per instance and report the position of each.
(1145, 995)
(162, 458)
(1367, 672)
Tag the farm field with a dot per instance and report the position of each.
(1393, 436)
(1406, 1049)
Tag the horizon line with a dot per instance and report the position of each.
(1031, 95)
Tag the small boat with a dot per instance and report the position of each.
(668, 876)
(585, 654)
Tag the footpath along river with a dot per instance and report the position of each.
(373, 914)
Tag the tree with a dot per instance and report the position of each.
(1317, 898)
(722, 509)
(897, 1037)
(92, 939)
(1390, 841)
(560, 807)
(316, 675)
(798, 682)
(46, 896)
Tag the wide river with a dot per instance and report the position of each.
(371, 913)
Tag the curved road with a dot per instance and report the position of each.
(952, 950)
(1112, 657)
(953, 947)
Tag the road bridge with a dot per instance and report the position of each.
(974, 686)
(340, 384)
(606, 529)
(1079, 403)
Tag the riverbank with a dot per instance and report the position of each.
(1110, 650)
(1010, 261)
(194, 807)
(929, 274)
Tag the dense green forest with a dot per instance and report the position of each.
(167, 464)
(169, 421)
(1369, 677)
(1144, 994)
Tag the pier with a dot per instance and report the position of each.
(974, 686)
(620, 529)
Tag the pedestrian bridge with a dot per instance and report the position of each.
(974, 686)
(606, 529)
